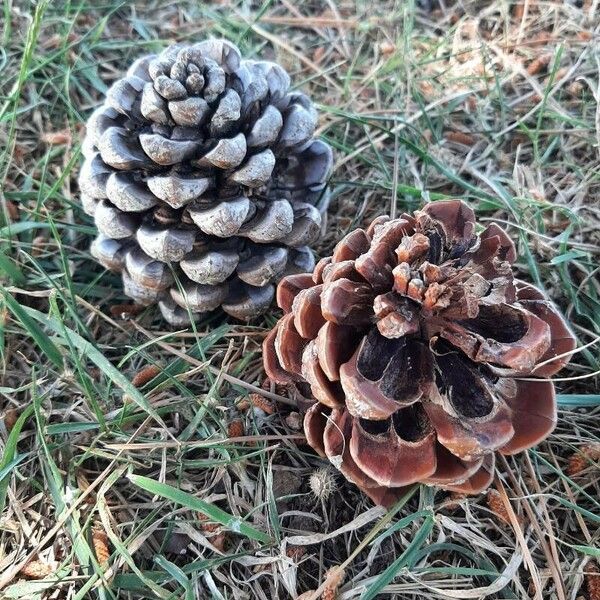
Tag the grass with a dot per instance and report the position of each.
(418, 105)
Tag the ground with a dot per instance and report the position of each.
(112, 490)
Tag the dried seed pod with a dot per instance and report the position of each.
(37, 569)
(143, 376)
(322, 483)
(496, 505)
(264, 404)
(423, 355)
(334, 578)
(592, 580)
(235, 428)
(583, 458)
(192, 147)
(100, 543)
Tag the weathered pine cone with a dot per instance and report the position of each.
(418, 353)
(204, 180)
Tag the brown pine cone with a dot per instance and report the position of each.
(413, 341)
(202, 167)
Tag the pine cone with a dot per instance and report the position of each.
(202, 167)
(413, 341)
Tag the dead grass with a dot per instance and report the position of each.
(495, 102)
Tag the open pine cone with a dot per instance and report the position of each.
(204, 180)
(420, 353)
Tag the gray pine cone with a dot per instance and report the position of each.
(204, 180)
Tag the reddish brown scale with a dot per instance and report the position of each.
(325, 391)
(352, 246)
(395, 316)
(341, 270)
(289, 345)
(412, 247)
(308, 318)
(290, 287)
(320, 268)
(347, 302)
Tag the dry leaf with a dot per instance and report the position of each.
(294, 421)
(263, 403)
(12, 208)
(295, 552)
(592, 580)
(386, 48)
(10, 418)
(536, 65)
(213, 531)
(460, 137)
(318, 54)
(37, 245)
(518, 10)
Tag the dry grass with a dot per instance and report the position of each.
(495, 102)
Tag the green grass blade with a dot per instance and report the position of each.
(177, 574)
(214, 513)
(89, 350)
(388, 575)
(574, 400)
(589, 550)
(10, 268)
(10, 451)
(45, 344)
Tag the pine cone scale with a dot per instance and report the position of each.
(127, 195)
(177, 191)
(335, 344)
(487, 435)
(389, 459)
(327, 392)
(211, 267)
(533, 405)
(414, 339)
